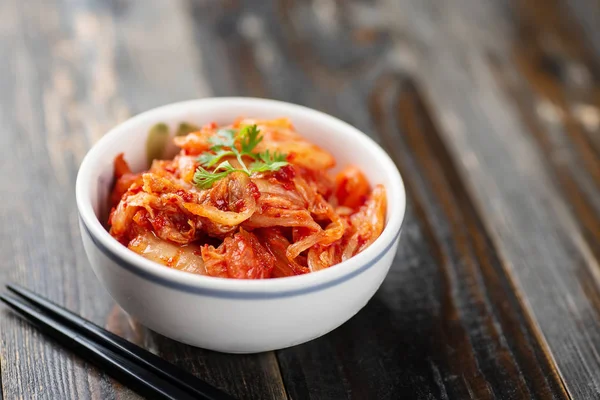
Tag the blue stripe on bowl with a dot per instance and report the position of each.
(230, 294)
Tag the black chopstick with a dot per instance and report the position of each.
(152, 367)
(121, 346)
(133, 375)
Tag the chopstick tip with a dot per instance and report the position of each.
(12, 287)
(7, 299)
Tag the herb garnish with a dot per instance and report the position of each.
(224, 145)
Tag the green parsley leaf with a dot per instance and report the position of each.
(269, 162)
(249, 139)
(223, 145)
(223, 138)
(205, 179)
(225, 166)
(270, 158)
(208, 159)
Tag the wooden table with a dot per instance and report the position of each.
(491, 109)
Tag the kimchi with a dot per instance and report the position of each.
(251, 200)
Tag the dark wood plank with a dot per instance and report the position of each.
(586, 16)
(446, 319)
(447, 322)
(505, 173)
(494, 291)
(33, 193)
(557, 93)
(74, 72)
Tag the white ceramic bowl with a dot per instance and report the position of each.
(230, 315)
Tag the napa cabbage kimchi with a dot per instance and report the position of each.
(250, 200)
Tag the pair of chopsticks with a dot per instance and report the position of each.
(139, 369)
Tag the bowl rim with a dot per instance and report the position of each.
(240, 288)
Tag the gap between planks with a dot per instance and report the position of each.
(454, 177)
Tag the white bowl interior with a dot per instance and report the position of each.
(347, 144)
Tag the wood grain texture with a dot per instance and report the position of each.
(558, 96)
(373, 343)
(74, 72)
(442, 326)
(543, 249)
(491, 110)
